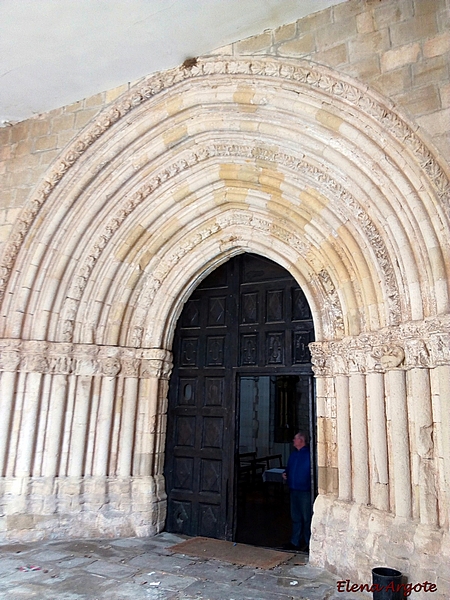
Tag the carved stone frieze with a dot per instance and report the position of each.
(302, 72)
(439, 348)
(424, 344)
(334, 304)
(59, 358)
(382, 358)
(321, 359)
(417, 353)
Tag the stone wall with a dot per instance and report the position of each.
(400, 48)
(27, 149)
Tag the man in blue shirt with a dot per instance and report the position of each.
(298, 475)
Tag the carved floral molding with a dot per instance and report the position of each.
(83, 359)
(424, 344)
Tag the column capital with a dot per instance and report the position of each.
(418, 344)
(62, 358)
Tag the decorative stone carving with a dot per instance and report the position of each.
(411, 345)
(392, 357)
(320, 358)
(339, 364)
(417, 354)
(304, 73)
(130, 367)
(439, 345)
(111, 366)
(334, 304)
(356, 358)
(247, 152)
(10, 360)
(85, 359)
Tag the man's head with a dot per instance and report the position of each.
(300, 440)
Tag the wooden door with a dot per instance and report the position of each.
(248, 314)
(200, 438)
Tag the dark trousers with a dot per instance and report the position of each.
(301, 516)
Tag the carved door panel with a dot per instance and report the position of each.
(200, 439)
(249, 314)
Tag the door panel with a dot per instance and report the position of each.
(249, 314)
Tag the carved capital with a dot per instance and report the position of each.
(439, 346)
(10, 359)
(321, 359)
(417, 354)
(156, 362)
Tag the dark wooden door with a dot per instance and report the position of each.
(249, 314)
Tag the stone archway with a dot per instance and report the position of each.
(282, 158)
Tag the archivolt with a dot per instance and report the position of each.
(194, 165)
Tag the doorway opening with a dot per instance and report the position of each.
(241, 388)
(272, 409)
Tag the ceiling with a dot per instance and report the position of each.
(55, 52)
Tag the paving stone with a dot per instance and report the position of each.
(216, 571)
(20, 577)
(15, 548)
(165, 581)
(91, 549)
(130, 591)
(220, 591)
(135, 543)
(107, 569)
(79, 546)
(166, 563)
(74, 562)
(272, 583)
(168, 538)
(9, 564)
(87, 586)
(47, 556)
(145, 569)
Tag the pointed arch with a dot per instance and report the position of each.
(292, 144)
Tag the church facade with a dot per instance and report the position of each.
(321, 146)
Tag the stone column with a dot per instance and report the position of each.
(343, 437)
(423, 417)
(359, 441)
(322, 441)
(55, 425)
(378, 440)
(28, 426)
(104, 427)
(161, 426)
(127, 430)
(79, 426)
(7, 389)
(155, 368)
(396, 383)
(443, 376)
(110, 367)
(147, 403)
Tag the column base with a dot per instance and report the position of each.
(34, 509)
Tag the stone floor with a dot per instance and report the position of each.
(138, 569)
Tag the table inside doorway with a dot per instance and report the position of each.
(273, 475)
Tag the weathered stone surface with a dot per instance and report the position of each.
(298, 160)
